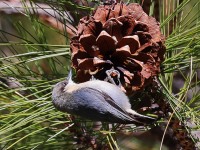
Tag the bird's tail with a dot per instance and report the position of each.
(142, 119)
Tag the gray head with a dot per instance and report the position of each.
(58, 90)
(59, 96)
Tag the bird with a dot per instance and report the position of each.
(96, 100)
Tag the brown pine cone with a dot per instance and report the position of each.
(122, 37)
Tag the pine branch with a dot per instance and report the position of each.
(45, 12)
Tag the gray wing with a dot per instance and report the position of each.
(97, 105)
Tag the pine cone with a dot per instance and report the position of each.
(122, 37)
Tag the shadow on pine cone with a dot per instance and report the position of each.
(122, 37)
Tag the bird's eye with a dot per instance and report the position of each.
(64, 84)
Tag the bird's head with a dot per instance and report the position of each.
(58, 89)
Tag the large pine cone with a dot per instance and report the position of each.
(122, 37)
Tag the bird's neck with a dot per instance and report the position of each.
(70, 87)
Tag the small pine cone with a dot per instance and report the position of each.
(122, 37)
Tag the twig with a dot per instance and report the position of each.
(45, 12)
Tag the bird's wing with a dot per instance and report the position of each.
(117, 112)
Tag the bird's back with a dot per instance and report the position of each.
(114, 91)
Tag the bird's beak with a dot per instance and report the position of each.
(69, 77)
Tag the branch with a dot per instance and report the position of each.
(46, 13)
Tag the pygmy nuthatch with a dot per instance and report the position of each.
(96, 100)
